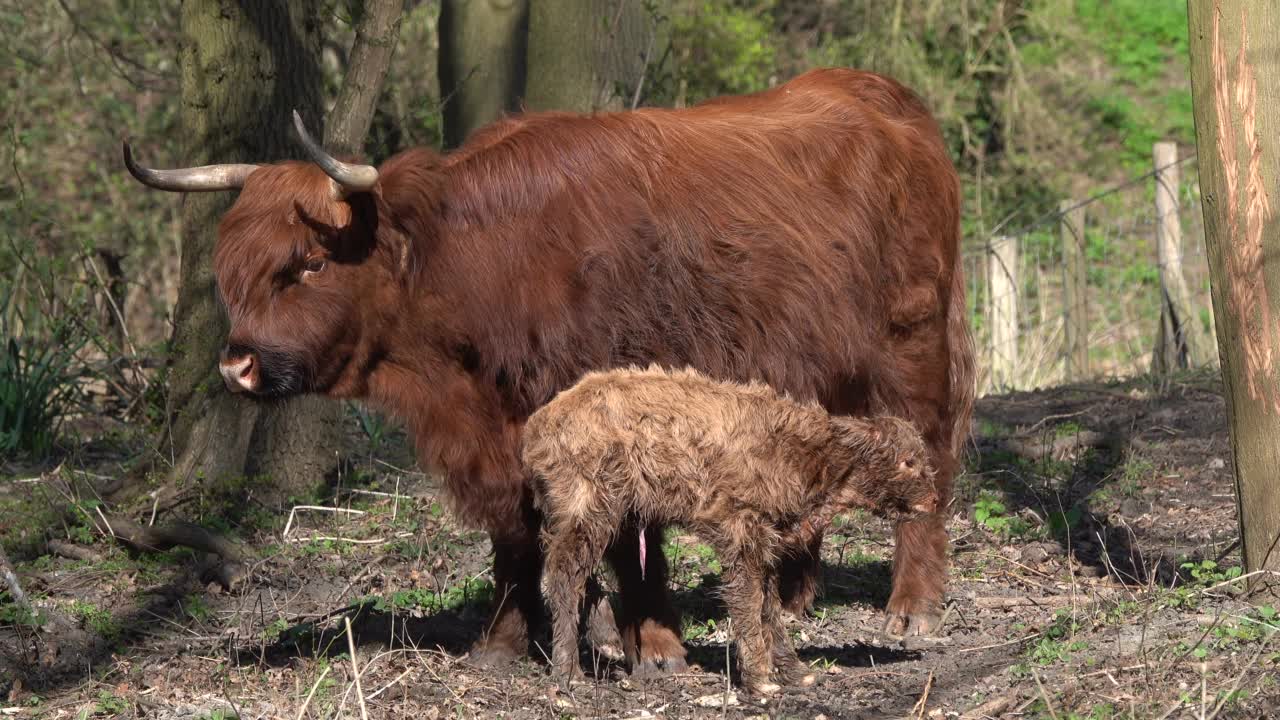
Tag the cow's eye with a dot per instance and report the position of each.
(313, 266)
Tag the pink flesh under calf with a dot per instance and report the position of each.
(643, 552)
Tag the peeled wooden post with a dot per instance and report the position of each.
(1179, 341)
(1075, 293)
(1002, 288)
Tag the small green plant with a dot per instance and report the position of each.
(696, 630)
(195, 607)
(273, 631)
(97, 619)
(110, 704)
(822, 663)
(1056, 642)
(1206, 572)
(12, 613)
(1067, 429)
(372, 424)
(990, 512)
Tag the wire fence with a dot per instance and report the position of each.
(1113, 285)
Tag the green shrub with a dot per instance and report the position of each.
(37, 379)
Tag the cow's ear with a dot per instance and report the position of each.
(398, 248)
(365, 225)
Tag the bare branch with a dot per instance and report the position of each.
(352, 114)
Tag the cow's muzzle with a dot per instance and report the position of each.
(241, 369)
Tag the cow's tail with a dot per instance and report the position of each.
(962, 373)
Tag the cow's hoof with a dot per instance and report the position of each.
(925, 619)
(492, 655)
(659, 666)
(661, 652)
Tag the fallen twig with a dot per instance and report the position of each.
(302, 710)
(319, 508)
(11, 582)
(992, 707)
(1047, 704)
(71, 551)
(355, 668)
(924, 696)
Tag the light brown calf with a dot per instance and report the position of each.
(746, 469)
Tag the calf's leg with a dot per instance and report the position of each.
(743, 593)
(786, 664)
(572, 554)
(648, 623)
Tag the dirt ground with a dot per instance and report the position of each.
(1094, 575)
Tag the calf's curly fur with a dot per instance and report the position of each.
(745, 468)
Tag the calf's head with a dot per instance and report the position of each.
(890, 473)
(302, 267)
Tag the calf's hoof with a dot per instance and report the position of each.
(764, 689)
(602, 632)
(566, 678)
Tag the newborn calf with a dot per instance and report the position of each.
(747, 470)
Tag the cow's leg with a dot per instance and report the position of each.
(518, 609)
(920, 560)
(648, 623)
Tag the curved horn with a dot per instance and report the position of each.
(195, 179)
(349, 178)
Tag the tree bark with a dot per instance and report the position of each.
(481, 62)
(589, 55)
(245, 67)
(1237, 107)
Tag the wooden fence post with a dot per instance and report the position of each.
(1002, 288)
(1180, 341)
(1075, 293)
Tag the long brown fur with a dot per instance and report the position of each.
(806, 236)
(744, 468)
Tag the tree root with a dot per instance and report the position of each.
(158, 538)
(11, 583)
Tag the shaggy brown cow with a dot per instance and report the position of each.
(743, 468)
(806, 236)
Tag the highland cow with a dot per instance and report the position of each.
(806, 236)
(748, 470)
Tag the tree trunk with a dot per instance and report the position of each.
(245, 67)
(589, 55)
(481, 62)
(1237, 106)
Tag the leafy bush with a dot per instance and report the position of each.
(37, 380)
(724, 48)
